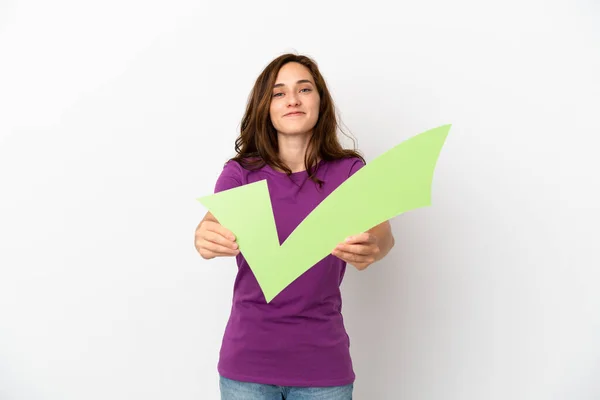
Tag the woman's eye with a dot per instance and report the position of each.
(276, 94)
(307, 89)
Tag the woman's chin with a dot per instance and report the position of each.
(294, 132)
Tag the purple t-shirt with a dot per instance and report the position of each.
(299, 338)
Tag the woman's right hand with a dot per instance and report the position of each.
(213, 240)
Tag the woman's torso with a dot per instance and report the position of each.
(299, 338)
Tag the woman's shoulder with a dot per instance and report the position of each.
(232, 167)
(232, 175)
(235, 172)
(347, 165)
(242, 165)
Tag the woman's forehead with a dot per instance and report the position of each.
(291, 73)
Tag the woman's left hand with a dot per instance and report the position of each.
(360, 250)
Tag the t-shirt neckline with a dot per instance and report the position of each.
(297, 173)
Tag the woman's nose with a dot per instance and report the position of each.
(293, 100)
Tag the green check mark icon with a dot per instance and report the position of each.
(398, 181)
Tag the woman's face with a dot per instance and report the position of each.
(295, 101)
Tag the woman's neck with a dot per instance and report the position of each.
(292, 150)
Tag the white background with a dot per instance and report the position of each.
(116, 115)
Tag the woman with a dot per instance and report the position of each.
(296, 346)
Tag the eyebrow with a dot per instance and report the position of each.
(300, 81)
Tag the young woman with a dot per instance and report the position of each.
(296, 346)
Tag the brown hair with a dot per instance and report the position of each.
(257, 143)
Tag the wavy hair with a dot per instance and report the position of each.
(257, 142)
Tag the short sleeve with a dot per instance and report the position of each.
(230, 177)
(357, 164)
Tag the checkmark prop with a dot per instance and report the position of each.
(397, 181)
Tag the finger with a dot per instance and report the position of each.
(364, 237)
(359, 249)
(352, 257)
(356, 262)
(217, 249)
(217, 238)
(220, 229)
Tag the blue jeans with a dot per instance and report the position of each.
(236, 390)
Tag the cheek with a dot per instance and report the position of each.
(275, 116)
(316, 106)
(315, 110)
(275, 109)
